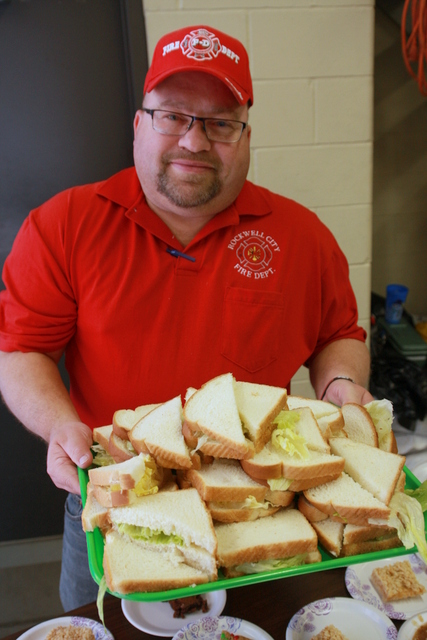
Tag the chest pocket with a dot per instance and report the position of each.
(251, 327)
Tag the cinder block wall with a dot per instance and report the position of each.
(312, 119)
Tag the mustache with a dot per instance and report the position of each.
(193, 157)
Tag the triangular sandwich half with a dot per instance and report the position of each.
(283, 540)
(159, 433)
(211, 414)
(176, 522)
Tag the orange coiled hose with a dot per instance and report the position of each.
(414, 46)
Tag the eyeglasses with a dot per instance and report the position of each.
(177, 124)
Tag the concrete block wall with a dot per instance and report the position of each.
(312, 68)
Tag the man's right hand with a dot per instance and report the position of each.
(69, 447)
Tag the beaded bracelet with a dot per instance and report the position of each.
(333, 380)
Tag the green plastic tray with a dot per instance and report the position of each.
(95, 545)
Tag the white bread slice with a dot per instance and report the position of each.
(174, 512)
(330, 535)
(101, 435)
(276, 463)
(308, 558)
(225, 480)
(285, 534)
(130, 568)
(121, 449)
(258, 405)
(328, 416)
(125, 419)
(308, 428)
(381, 413)
(347, 540)
(280, 498)
(358, 424)
(93, 514)
(238, 512)
(124, 474)
(346, 501)
(212, 411)
(376, 470)
(160, 431)
(312, 513)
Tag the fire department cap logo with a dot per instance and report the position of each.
(206, 49)
(254, 254)
(201, 45)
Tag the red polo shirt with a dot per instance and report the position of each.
(90, 273)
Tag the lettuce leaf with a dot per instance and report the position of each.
(285, 436)
(145, 534)
(269, 565)
(420, 494)
(100, 457)
(279, 484)
(381, 412)
(407, 517)
(100, 599)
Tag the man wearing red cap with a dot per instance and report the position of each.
(168, 274)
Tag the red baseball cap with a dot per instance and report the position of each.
(206, 49)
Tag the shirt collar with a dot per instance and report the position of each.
(124, 189)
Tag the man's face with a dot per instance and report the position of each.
(190, 175)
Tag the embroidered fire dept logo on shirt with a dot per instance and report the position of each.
(201, 45)
(255, 253)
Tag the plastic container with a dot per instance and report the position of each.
(95, 545)
(395, 298)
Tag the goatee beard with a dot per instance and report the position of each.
(188, 195)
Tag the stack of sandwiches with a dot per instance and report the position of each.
(240, 478)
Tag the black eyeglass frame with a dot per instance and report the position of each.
(193, 120)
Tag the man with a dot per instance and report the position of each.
(169, 274)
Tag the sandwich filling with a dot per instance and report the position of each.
(270, 565)
(285, 435)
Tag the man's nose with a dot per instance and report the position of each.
(195, 139)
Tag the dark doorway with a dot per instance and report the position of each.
(71, 78)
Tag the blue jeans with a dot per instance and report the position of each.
(76, 585)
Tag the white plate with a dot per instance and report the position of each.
(358, 583)
(408, 628)
(41, 630)
(210, 628)
(157, 617)
(346, 615)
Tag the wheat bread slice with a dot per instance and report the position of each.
(346, 501)
(130, 568)
(358, 424)
(125, 419)
(374, 469)
(160, 431)
(258, 405)
(285, 534)
(212, 411)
